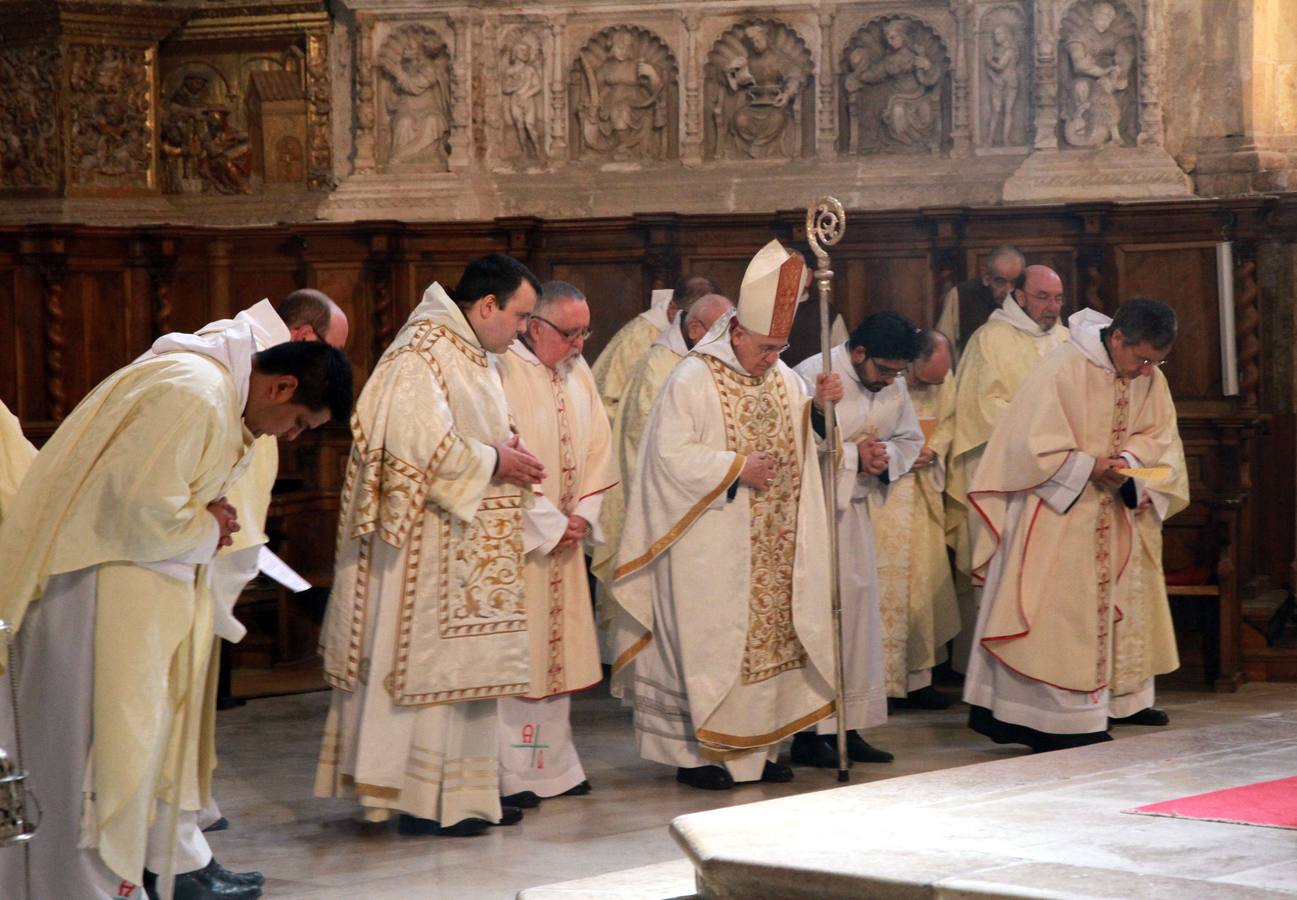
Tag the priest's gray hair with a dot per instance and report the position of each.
(708, 304)
(1143, 320)
(554, 292)
(1006, 252)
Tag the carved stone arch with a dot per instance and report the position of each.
(759, 93)
(623, 97)
(895, 92)
(415, 76)
(994, 82)
(1097, 110)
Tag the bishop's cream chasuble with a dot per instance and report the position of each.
(722, 591)
(618, 358)
(111, 523)
(16, 454)
(560, 418)
(887, 415)
(642, 388)
(427, 611)
(1055, 549)
(916, 590)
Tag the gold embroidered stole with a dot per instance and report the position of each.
(757, 419)
(1103, 530)
(554, 681)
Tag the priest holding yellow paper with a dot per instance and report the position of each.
(427, 625)
(916, 590)
(628, 346)
(881, 439)
(104, 548)
(722, 578)
(1054, 540)
(16, 454)
(556, 408)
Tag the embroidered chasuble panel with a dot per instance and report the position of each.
(757, 419)
(555, 683)
(1103, 561)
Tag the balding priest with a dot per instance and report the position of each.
(722, 579)
(1056, 509)
(613, 366)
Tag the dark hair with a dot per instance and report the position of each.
(1143, 320)
(323, 375)
(307, 306)
(690, 287)
(928, 339)
(886, 335)
(495, 274)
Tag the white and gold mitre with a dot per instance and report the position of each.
(771, 287)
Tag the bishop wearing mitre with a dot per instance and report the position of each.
(723, 630)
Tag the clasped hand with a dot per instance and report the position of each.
(227, 520)
(873, 456)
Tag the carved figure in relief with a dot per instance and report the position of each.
(1002, 69)
(201, 149)
(1099, 52)
(893, 88)
(110, 101)
(522, 86)
(417, 64)
(29, 154)
(623, 113)
(761, 70)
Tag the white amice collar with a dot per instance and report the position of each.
(716, 343)
(673, 338)
(1085, 326)
(1012, 314)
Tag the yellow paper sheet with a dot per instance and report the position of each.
(1151, 473)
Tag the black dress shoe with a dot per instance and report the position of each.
(510, 815)
(1150, 716)
(522, 800)
(204, 885)
(1047, 743)
(813, 750)
(417, 827)
(220, 873)
(860, 750)
(579, 790)
(776, 773)
(219, 825)
(924, 698)
(706, 778)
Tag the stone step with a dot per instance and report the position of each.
(662, 881)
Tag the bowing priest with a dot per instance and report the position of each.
(995, 364)
(916, 591)
(427, 623)
(16, 455)
(722, 583)
(968, 305)
(632, 341)
(881, 439)
(560, 418)
(105, 547)
(642, 388)
(1056, 517)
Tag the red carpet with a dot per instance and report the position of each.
(1269, 803)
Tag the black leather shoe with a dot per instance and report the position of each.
(203, 885)
(924, 698)
(417, 827)
(510, 815)
(776, 773)
(218, 872)
(219, 825)
(813, 750)
(1150, 716)
(579, 790)
(860, 750)
(522, 800)
(707, 778)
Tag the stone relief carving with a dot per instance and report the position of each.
(110, 91)
(895, 88)
(1004, 44)
(29, 136)
(522, 89)
(417, 98)
(1098, 97)
(760, 93)
(202, 150)
(319, 102)
(622, 95)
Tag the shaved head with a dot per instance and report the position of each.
(703, 314)
(312, 315)
(934, 359)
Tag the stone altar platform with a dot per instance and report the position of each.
(1038, 826)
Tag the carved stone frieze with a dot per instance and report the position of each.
(415, 99)
(1003, 57)
(1098, 75)
(30, 155)
(622, 94)
(523, 95)
(896, 89)
(760, 93)
(110, 91)
(203, 149)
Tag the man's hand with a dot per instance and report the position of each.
(1104, 472)
(227, 520)
(577, 529)
(873, 456)
(1145, 502)
(758, 472)
(925, 458)
(828, 388)
(518, 465)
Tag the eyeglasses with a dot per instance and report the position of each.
(571, 335)
(1155, 363)
(772, 351)
(887, 371)
(1042, 297)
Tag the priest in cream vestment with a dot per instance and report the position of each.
(723, 628)
(427, 626)
(105, 546)
(556, 408)
(916, 590)
(1055, 539)
(16, 454)
(646, 379)
(613, 366)
(881, 439)
(995, 363)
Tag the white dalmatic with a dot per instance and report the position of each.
(887, 415)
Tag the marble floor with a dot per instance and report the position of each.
(311, 848)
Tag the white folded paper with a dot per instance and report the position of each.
(276, 568)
